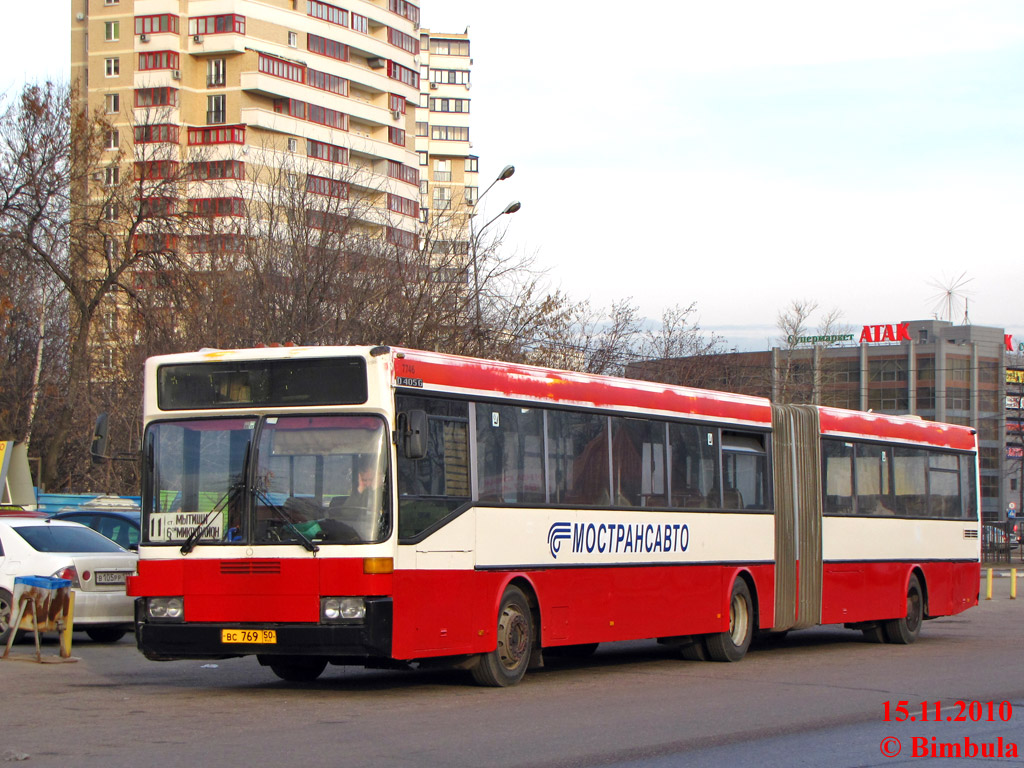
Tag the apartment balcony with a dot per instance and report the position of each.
(357, 141)
(216, 44)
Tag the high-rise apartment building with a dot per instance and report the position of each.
(448, 167)
(231, 96)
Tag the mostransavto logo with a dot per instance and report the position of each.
(619, 538)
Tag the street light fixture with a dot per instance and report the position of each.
(512, 207)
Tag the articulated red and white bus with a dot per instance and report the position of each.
(384, 506)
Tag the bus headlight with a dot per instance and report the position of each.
(335, 609)
(165, 608)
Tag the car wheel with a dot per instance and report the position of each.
(6, 615)
(105, 634)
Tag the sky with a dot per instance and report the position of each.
(737, 154)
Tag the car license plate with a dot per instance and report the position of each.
(111, 577)
(248, 636)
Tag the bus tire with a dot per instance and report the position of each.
(905, 630)
(507, 663)
(298, 669)
(732, 645)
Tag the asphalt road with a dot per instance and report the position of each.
(816, 698)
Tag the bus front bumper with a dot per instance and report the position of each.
(366, 639)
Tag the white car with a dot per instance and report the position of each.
(97, 567)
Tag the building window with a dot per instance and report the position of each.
(424, 100)
(424, 187)
(216, 169)
(293, 39)
(442, 170)
(327, 82)
(158, 60)
(396, 103)
(470, 195)
(271, 65)
(359, 24)
(162, 22)
(401, 40)
(111, 210)
(293, 145)
(424, 215)
(449, 47)
(112, 103)
(321, 185)
(217, 206)
(442, 200)
(397, 170)
(113, 139)
(216, 25)
(401, 238)
(449, 133)
(327, 12)
(403, 74)
(155, 134)
(403, 205)
(111, 31)
(112, 67)
(156, 97)
(232, 134)
(450, 76)
(215, 109)
(148, 170)
(421, 128)
(423, 156)
(216, 72)
(406, 9)
(449, 105)
(329, 152)
(472, 164)
(111, 2)
(110, 248)
(396, 136)
(325, 47)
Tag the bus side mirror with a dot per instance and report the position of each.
(412, 428)
(98, 450)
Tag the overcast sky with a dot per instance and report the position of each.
(736, 153)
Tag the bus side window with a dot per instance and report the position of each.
(431, 488)
(837, 466)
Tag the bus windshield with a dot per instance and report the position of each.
(267, 480)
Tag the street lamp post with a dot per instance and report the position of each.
(474, 238)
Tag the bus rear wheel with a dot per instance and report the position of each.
(507, 663)
(732, 645)
(298, 669)
(906, 630)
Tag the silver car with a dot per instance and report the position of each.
(97, 568)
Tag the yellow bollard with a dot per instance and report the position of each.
(1013, 583)
(69, 621)
(988, 587)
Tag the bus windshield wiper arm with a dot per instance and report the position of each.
(229, 495)
(283, 514)
(199, 530)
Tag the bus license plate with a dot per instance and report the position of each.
(256, 636)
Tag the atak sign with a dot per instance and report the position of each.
(879, 333)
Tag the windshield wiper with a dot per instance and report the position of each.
(229, 496)
(292, 522)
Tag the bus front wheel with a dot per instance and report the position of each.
(732, 645)
(507, 663)
(905, 630)
(298, 669)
